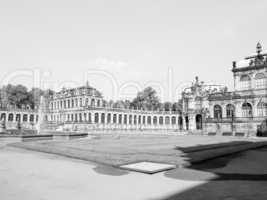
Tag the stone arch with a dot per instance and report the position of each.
(98, 103)
(230, 110)
(155, 120)
(114, 118)
(173, 120)
(180, 122)
(89, 117)
(144, 120)
(125, 119)
(149, 120)
(198, 121)
(246, 110)
(31, 118)
(167, 120)
(260, 80)
(25, 118)
(93, 102)
(187, 122)
(130, 119)
(3, 116)
(10, 117)
(161, 120)
(18, 117)
(109, 118)
(139, 119)
(245, 82)
(217, 111)
(120, 118)
(135, 119)
(262, 108)
(96, 118)
(102, 118)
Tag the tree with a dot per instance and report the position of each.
(167, 106)
(147, 100)
(34, 97)
(177, 106)
(16, 95)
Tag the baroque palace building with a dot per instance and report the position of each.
(240, 112)
(82, 108)
(206, 109)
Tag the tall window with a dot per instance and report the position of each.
(260, 80)
(230, 111)
(217, 112)
(81, 102)
(246, 110)
(245, 82)
(262, 109)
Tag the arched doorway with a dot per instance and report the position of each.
(186, 122)
(262, 129)
(180, 122)
(199, 122)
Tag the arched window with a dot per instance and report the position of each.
(260, 80)
(167, 120)
(114, 118)
(96, 118)
(160, 120)
(245, 82)
(262, 109)
(76, 102)
(98, 103)
(86, 102)
(103, 118)
(89, 118)
(31, 118)
(149, 120)
(80, 117)
(81, 102)
(109, 118)
(3, 116)
(72, 103)
(25, 118)
(125, 119)
(230, 111)
(135, 119)
(10, 117)
(217, 112)
(93, 102)
(144, 119)
(173, 120)
(246, 110)
(18, 117)
(139, 119)
(120, 118)
(155, 120)
(130, 119)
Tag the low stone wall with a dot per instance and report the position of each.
(228, 129)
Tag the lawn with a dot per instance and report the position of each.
(113, 149)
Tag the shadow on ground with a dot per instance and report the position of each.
(241, 176)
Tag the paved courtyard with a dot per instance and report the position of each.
(34, 175)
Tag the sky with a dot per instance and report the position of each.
(121, 46)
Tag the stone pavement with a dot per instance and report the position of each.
(26, 175)
(29, 175)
